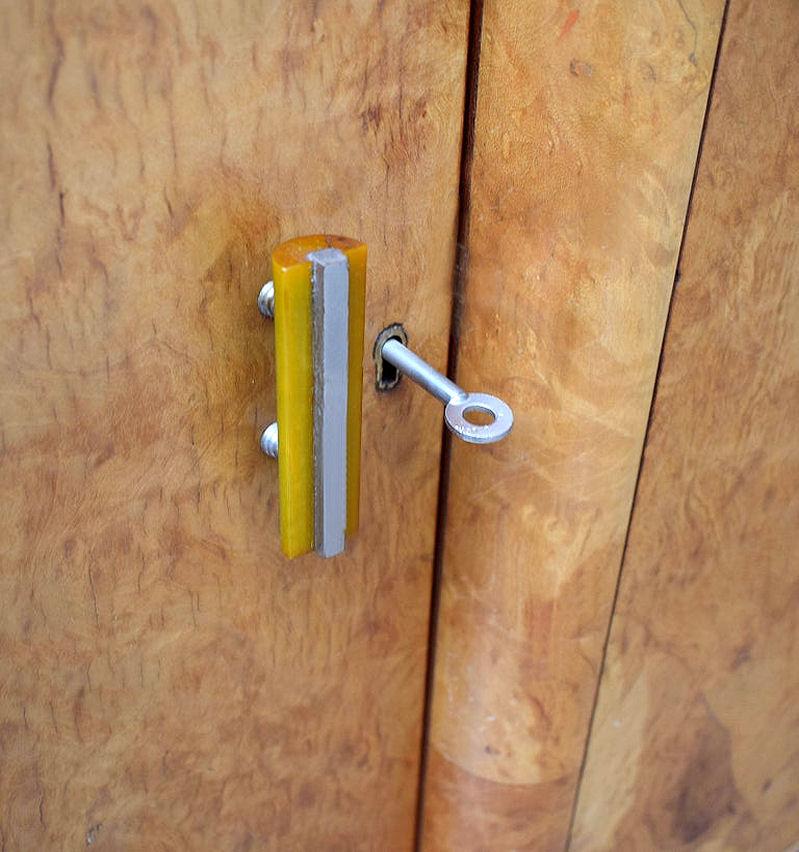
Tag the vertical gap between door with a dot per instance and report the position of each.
(459, 273)
(653, 402)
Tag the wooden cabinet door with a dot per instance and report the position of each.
(167, 679)
(610, 676)
(695, 740)
(587, 125)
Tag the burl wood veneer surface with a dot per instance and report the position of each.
(588, 122)
(167, 679)
(696, 739)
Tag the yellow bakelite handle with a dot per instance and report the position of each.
(291, 272)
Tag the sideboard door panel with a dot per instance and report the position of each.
(168, 680)
(695, 743)
(588, 120)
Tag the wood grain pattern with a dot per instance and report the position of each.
(695, 743)
(167, 679)
(588, 122)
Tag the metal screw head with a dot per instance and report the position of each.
(269, 440)
(266, 300)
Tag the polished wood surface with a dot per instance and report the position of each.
(695, 744)
(167, 679)
(588, 122)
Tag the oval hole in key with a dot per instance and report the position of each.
(479, 416)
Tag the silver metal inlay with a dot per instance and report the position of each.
(330, 300)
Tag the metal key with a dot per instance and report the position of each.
(457, 402)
